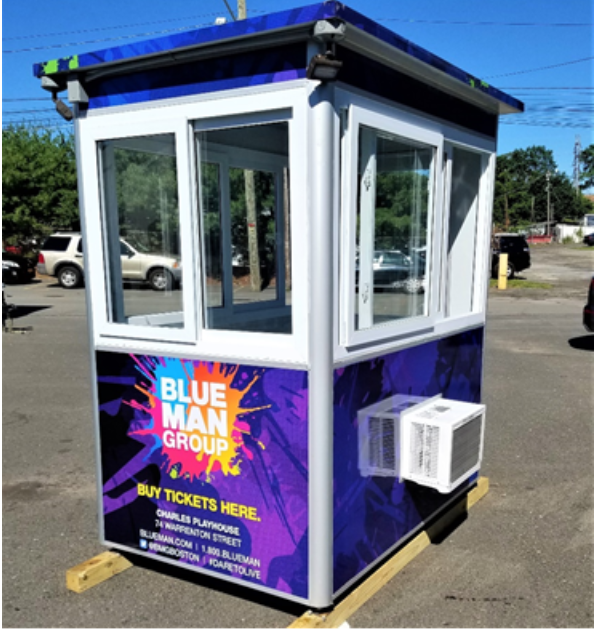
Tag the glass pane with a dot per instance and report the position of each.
(245, 218)
(142, 230)
(395, 181)
(211, 216)
(466, 174)
(253, 235)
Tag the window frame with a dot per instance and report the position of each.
(384, 119)
(482, 230)
(247, 106)
(291, 109)
(95, 208)
(242, 159)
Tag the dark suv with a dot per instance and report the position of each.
(518, 253)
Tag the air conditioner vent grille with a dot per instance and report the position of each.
(382, 444)
(425, 450)
(466, 447)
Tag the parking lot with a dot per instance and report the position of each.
(523, 558)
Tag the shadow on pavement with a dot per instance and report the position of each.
(235, 590)
(586, 342)
(23, 311)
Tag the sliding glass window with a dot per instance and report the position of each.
(245, 218)
(395, 181)
(142, 231)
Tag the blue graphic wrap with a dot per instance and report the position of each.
(373, 513)
(247, 69)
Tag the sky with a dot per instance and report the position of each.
(539, 51)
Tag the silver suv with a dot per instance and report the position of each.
(62, 256)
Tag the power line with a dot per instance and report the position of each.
(557, 65)
(182, 28)
(108, 28)
(30, 98)
(576, 124)
(484, 23)
(546, 88)
(27, 111)
(104, 40)
(204, 15)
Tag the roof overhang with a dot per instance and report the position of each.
(361, 35)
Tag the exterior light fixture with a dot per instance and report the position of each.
(325, 67)
(50, 85)
(62, 108)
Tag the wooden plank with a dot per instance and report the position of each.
(378, 579)
(96, 570)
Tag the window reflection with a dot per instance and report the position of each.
(245, 216)
(395, 181)
(141, 215)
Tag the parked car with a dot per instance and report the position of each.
(415, 282)
(62, 256)
(589, 239)
(589, 309)
(390, 269)
(518, 253)
(17, 269)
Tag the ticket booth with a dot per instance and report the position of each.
(286, 240)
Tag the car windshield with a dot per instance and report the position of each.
(139, 247)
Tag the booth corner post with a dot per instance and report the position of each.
(299, 391)
(78, 98)
(322, 159)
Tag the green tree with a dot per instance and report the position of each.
(39, 184)
(147, 196)
(521, 189)
(401, 209)
(587, 168)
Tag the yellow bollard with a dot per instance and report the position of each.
(502, 278)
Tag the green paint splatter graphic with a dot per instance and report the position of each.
(49, 67)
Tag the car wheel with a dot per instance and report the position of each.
(160, 279)
(413, 285)
(69, 277)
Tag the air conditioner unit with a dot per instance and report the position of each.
(379, 435)
(441, 442)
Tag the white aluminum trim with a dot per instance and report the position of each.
(350, 101)
(445, 328)
(321, 210)
(384, 121)
(139, 121)
(194, 99)
(90, 334)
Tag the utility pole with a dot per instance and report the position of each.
(241, 10)
(532, 212)
(252, 230)
(577, 154)
(548, 203)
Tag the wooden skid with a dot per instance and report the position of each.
(96, 570)
(342, 611)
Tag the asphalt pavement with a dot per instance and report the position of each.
(523, 558)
